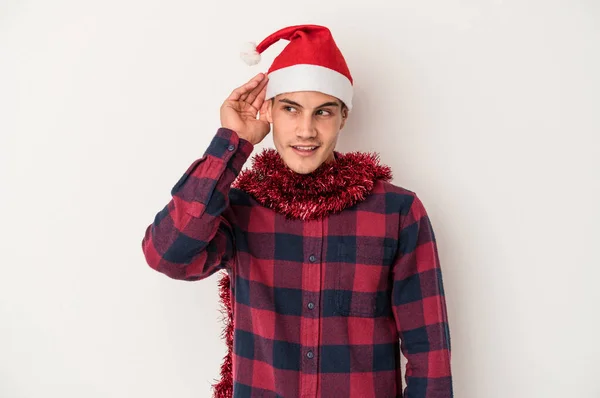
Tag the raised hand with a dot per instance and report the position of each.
(238, 112)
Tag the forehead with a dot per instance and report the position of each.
(308, 98)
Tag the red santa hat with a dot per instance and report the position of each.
(310, 62)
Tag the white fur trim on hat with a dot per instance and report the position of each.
(305, 77)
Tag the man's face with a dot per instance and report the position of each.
(306, 125)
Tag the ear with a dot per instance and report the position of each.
(345, 114)
(270, 109)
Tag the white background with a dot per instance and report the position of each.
(489, 110)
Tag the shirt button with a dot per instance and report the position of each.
(231, 147)
(311, 305)
(310, 355)
(312, 258)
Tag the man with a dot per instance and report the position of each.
(330, 270)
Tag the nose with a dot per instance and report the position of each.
(306, 128)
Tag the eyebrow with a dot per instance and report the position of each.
(287, 101)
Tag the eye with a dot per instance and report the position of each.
(290, 109)
(323, 112)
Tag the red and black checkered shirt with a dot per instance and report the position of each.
(322, 308)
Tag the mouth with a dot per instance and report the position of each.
(305, 150)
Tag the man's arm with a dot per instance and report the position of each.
(190, 239)
(420, 308)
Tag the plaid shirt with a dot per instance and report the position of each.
(322, 308)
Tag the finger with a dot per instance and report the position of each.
(245, 88)
(260, 99)
(252, 95)
(242, 91)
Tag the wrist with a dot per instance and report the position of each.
(243, 137)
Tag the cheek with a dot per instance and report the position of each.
(330, 126)
(284, 126)
(278, 120)
(281, 136)
(332, 132)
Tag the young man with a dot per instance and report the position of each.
(330, 270)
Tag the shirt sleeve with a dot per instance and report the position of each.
(420, 309)
(191, 238)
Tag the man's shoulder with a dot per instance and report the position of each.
(397, 198)
(391, 187)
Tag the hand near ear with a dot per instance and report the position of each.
(239, 111)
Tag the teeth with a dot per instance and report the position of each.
(305, 148)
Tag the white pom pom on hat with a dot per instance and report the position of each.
(310, 62)
(249, 53)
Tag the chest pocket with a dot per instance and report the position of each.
(363, 284)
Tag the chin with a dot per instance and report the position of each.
(304, 169)
(302, 165)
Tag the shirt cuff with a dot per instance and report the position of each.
(227, 146)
